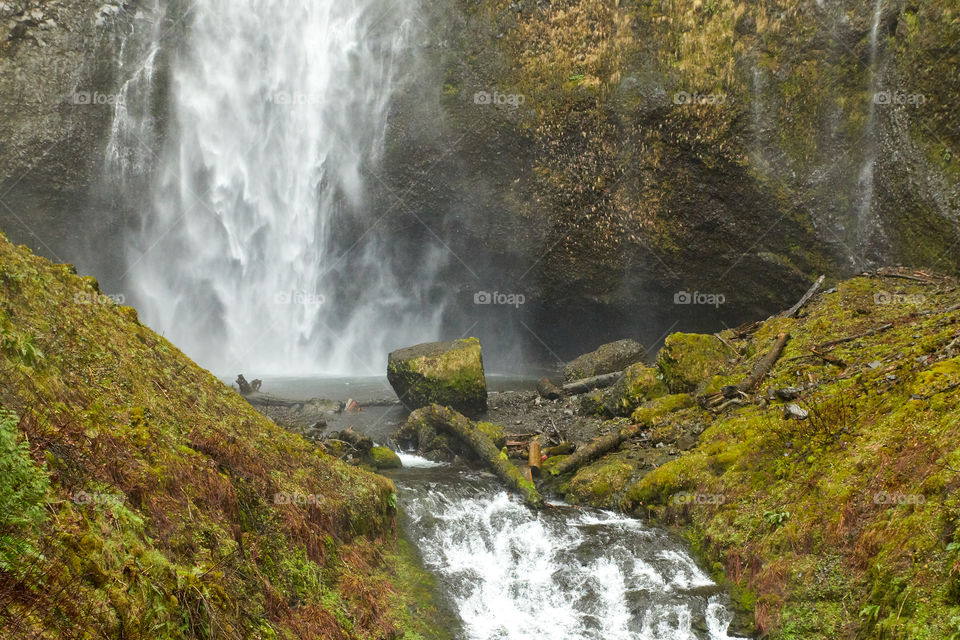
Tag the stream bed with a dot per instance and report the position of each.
(511, 573)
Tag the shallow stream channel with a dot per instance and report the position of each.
(511, 573)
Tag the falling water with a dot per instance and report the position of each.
(865, 182)
(259, 250)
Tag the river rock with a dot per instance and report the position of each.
(444, 373)
(613, 356)
(384, 458)
(548, 390)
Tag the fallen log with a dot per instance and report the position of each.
(595, 382)
(445, 419)
(829, 359)
(533, 459)
(871, 332)
(763, 367)
(792, 311)
(596, 449)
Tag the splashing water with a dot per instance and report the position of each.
(564, 573)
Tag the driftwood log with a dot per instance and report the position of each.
(595, 382)
(444, 419)
(763, 367)
(596, 449)
(795, 309)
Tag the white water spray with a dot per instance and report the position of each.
(248, 257)
(865, 183)
(564, 573)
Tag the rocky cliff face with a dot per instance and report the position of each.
(611, 155)
(56, 103)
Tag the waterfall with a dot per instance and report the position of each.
(258, 248)
(865, 221)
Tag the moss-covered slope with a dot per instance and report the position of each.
(142, 498)
(845, 524)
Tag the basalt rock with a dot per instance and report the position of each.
(444, 373)
(614, 356)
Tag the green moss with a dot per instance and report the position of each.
(494, 432)
(385, 458)
(599, 484)
(688, 359)
(651, 411)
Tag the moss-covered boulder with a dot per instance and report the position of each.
(688, 359)
(599, 484)
(613, 356)
(651, 411)
(639, 384)
(384, 458)
(445, 373)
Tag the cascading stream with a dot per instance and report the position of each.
(564, 573)
(259, 251)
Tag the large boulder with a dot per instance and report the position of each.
(613, 356)
(688, 359)
(638, 384)
(444, 373)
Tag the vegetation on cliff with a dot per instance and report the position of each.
(141, 498)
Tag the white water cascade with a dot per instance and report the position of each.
(563, 573)
(866, 223)
(277, 121)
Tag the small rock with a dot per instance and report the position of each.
(795, 412)
(788, 393)
(875, 364)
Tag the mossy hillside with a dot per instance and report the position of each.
(845, 524)
(172, 509)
